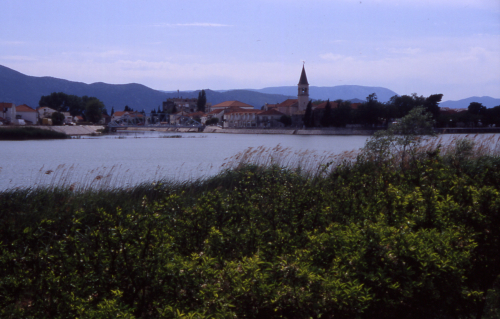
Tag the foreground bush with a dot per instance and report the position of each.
(29, 133)
(369, 240)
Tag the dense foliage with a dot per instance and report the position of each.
(373, 113)
(367, 240)
(75, 105)
(29, 133)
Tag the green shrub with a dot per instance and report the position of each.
(29, 133)
(365, 241)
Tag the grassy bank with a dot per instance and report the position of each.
(363, 238)
(29, 133)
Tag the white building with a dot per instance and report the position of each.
(26, 113)
(8, 111)
(45, 112)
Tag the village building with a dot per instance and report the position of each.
(45, 112)
(8, 111)
(270, 118)
(294, 108)
(175, 105)
(26, 113)
(239, 117)
(231, 104)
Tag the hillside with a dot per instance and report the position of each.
(464, 103)
(344, 92)
(19, 88)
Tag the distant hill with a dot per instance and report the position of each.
(464, 103)
(19, 88)
(344, 92)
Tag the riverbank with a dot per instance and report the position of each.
(282, 131)
(76, 130)
(313, 131)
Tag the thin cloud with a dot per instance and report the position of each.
(196, 24)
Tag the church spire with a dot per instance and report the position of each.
(303, 77)
(303, 94)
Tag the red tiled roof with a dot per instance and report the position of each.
(334, 105)
(323, 105)
(227, 104)
(271, 112)
(4, 105)
(213, 112)
(24, 108)
(131, 114)
(240, 110)
(199, 113)
(447, 110)
(288, 103)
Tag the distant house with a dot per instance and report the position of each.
(78, 119)
(180, 105)
(8, 111)
(239, 117)
(26, 113)
(231, 104)
(122, 115)
(45, 112)
(188, 105)
(202, 117)
(269, 118)
(287, 107)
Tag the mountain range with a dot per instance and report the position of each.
(19, 88)
(464, 103)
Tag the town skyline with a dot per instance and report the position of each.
(424, 47)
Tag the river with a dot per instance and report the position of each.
(127, 158)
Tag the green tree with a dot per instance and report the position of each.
(202, 101)
(127, 109)
(492, 116)
(342, 113)
(286, 120)
(431, 104)
(212, 121)
(327, 117)
(402, 137)
(93, 110)
(308, 116)
(63, 102)
(476, 108)
(56, 101)
(112, 111)
(370, 112)
(57, 118)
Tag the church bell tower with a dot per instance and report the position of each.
(303, 95)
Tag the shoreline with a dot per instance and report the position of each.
(80, 130)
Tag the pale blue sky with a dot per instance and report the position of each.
(423, 46)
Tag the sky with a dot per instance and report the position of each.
(409, 46)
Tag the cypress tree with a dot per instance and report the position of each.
(202, 101)
(308, 116)
(327, 118)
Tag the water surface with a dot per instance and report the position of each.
(128, 158)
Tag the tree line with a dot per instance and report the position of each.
(90, 108)
(374, 113)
